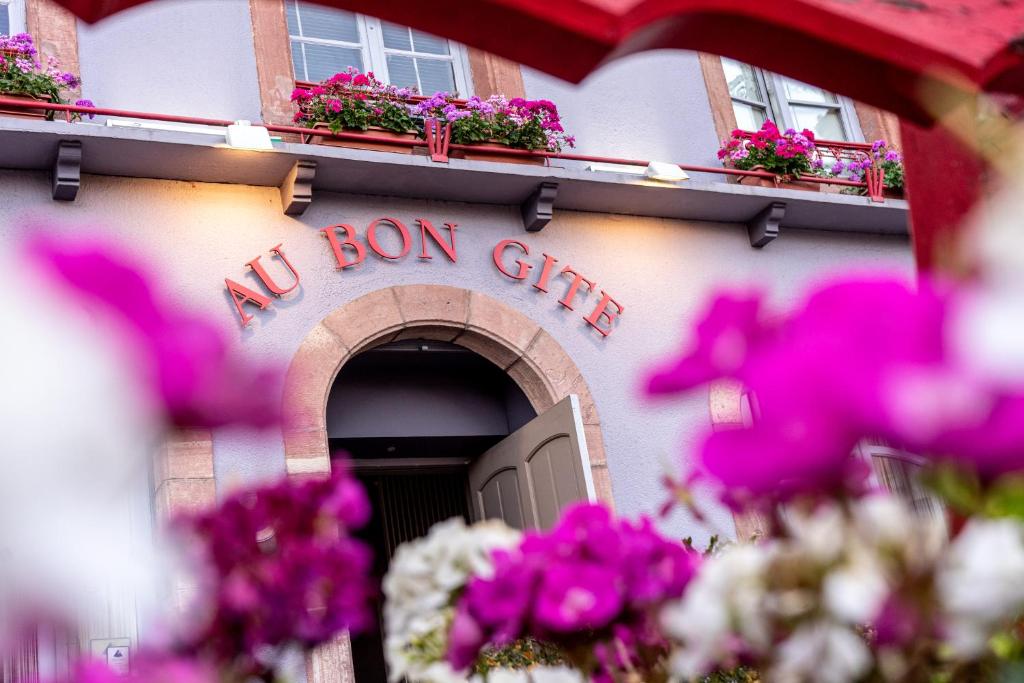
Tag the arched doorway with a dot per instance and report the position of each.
(517, 354)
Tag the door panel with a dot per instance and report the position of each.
(528, 477)
(499, 498)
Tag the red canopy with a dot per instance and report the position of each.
(887, 53)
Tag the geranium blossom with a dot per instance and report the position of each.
(591, 577)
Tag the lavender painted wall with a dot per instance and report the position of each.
(661, 270)
(189, 57)
(651, 106)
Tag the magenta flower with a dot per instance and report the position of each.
(862, 358)
(280, 569)
(587, 578)
(185, 357)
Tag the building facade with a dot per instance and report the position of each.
(433, 326)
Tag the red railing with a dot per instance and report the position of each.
(437, 142)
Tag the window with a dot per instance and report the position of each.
(325, 41)
(12, 17)
(897, 472)
(758, 95)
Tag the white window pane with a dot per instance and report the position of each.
(291, 13)
(827, 124)
(424, 42)
(749, 117)
(396, 37)
(742, 80)
(435, 75)
(323, 61)
(298, 61)
(795, 90)
(402, 73)
(328, 24)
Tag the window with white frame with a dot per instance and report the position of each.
(12, 17)
(325, 41)
(758, 95)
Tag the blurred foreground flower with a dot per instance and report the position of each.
(184, 356)
(861, 358)
(278, 571)
(97, 365)
(591, 586)
(423, 581)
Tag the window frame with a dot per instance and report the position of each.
(783, 105)
(374, 54)
(778, 107)
(16, 15)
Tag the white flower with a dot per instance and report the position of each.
(423, 576)
(981, 581)
(724, 600)
(823, 652)
(855, 591)
(819, 534)
(78, 431)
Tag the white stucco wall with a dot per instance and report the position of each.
(652, 106)
(660, 270)
(186, 57)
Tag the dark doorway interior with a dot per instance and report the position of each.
(412, 416)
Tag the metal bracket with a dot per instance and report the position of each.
(764, 227)
(538, 209)
(66, 176)
(297, 188)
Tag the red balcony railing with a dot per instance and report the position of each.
(437, 142)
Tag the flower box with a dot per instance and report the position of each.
(18, 113)
(484, 151)
(372, 145)
(777, 182)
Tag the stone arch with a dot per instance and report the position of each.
(494, 330)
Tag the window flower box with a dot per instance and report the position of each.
(372, 145)
(486, 126)
(786, 154)
(23, 77)
(354, 102)
(19, 113)
(490, 151)
(778, 182)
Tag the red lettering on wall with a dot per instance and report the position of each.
(268, 281)
(426, 228)
(499, 251)
(574, 287)
(603, 312)
(545, 273)
(371, 237)
(241, 294)
(604, 316)
(331, 233)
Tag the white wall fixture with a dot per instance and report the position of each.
(665, 172)
(244, 135)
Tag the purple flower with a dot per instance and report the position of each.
(280, 569)
(86, 103)
(893, 155)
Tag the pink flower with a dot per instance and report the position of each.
(186, 357)
(360, 80)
